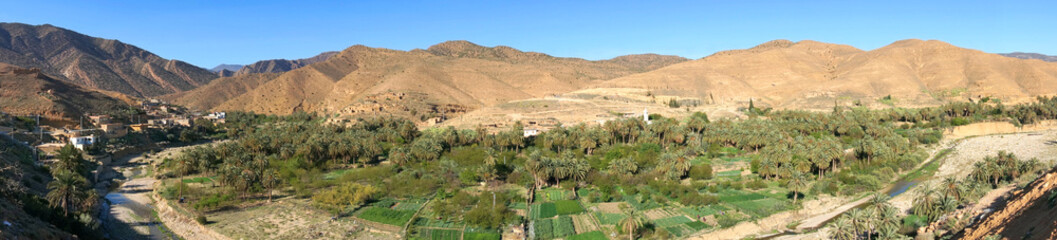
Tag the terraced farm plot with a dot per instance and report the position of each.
(610, 207)
(543, 210)
(761, 207)
(544, 228)
(553, 194)
(386, 216)
(738, 196)
(407, 206)
(564, 226)
(592, 235)
(609, 218)
(444, 234)
(584, 223)
(566, 207)
(658, 213)
(434, 223)
(481, 236)
(671, 221)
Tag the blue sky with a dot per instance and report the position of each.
(207, 33)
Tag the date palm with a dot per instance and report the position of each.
(631, 224)
(67, 191)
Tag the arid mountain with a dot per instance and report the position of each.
(451, 76)
(281, 65)
(811, 74)
(1023, 55)
(30, 91)
(95, 62)
(229, 67)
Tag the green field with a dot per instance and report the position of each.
(609, 218)
(386, 216)
(444, 234)
(671, 221)
(481, 236)
(592, 235)
(544, 229)
(543, 210)
(566, 207)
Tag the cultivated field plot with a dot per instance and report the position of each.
(387, 214)
(592, 235)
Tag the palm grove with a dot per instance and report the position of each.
(848, 151)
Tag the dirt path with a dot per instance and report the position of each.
(822, 205)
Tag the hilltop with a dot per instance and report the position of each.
(452, 77)
(95, 62)
(816, 75)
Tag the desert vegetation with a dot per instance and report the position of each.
(675, 176)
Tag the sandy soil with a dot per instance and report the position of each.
(970, 150)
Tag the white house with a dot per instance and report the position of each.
(81, 141)
(531, 132)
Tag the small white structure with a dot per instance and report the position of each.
(646, 116)
(531, 132)
(81, 141)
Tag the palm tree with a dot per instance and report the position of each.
(860, 221)
(67, 191)
(630, 224)
(797, 183)
(843, 228)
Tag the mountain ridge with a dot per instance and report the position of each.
(105, 64)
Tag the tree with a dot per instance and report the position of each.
(270, 181)
(69, 191)
(797, 183)
(631, 224)
(70, 159)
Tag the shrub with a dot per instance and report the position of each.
(701, 172)
(345, 196)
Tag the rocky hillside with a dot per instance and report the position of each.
(1028, 214)
(811, 74)
(95, 62)
(457, 72)
(30, 91)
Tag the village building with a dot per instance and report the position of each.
(217, 117)
(80, 142)
(139, 127)
(531, 132)
(99, 119)
(114, 129)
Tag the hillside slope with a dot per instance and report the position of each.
(95, 62)
(29, 91)
(451, 73)
(1028, 214)
(811, 74)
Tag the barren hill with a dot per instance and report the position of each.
(452, 76)
(95, 62)
(811, 74)
(29, 91)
